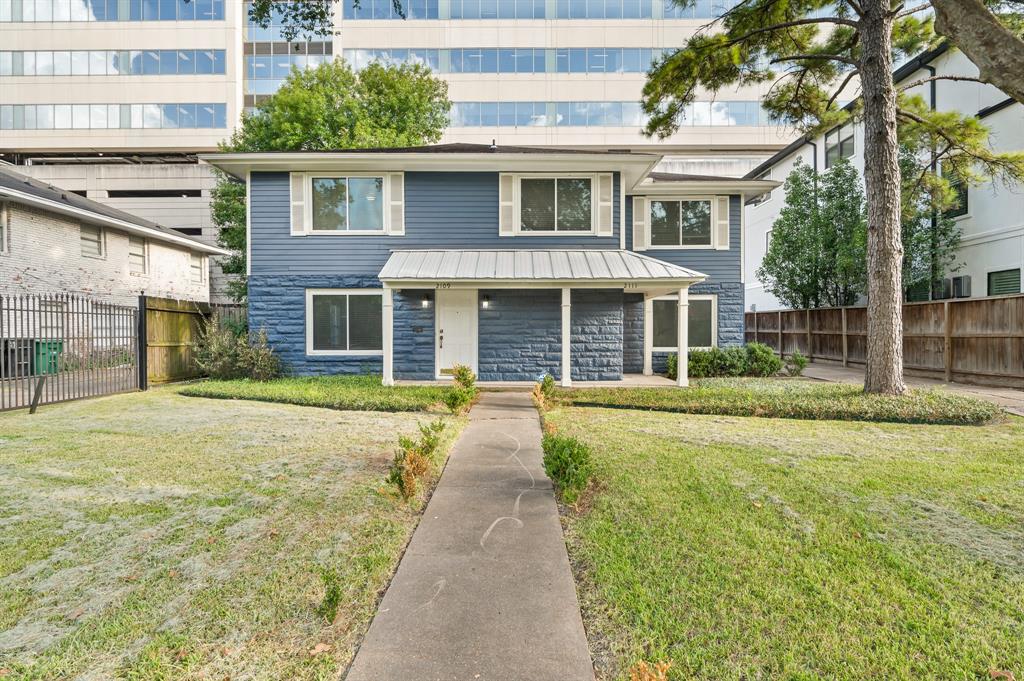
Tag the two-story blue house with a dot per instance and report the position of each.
(514, 261)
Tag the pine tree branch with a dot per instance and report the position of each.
(922, 81)
(913, 10)
(815, 57)
(839, 90)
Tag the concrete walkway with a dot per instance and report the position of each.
(484, 590)
(1009, 399)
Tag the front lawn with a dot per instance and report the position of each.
(151, 536)
(360, 393)
(749, 548)
(788, 398)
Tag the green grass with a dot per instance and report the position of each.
(794, 399)
(150, 536)
(358, 393)
(748, 548)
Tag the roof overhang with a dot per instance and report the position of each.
(107, 221)
(701, 187)
(633, 166)
(534, 268)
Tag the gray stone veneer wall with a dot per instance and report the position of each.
(632, 333)
(520, 335)
(413, 357)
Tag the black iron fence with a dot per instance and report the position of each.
(60, 347)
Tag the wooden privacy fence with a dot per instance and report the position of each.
(971, 340)
(171, 332)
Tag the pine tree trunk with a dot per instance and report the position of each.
(884, 373)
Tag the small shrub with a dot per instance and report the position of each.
(332, 594)
(413, 459)
(544, 389)
(256, 359)
(733, 361)
(761, 360)
(672, 367)
(795, 364)
(216, 351)
(464, 376)
(458, 398)
(430, 437)
(567, 461)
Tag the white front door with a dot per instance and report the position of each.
(456, 330)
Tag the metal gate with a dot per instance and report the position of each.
(62, 347)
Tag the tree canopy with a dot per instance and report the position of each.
(324, 108)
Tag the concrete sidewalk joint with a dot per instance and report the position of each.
(484, 591)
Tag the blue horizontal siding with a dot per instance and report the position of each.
(442, 210)
(720, 266)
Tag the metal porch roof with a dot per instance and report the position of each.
(532, 265)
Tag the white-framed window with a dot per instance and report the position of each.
(768, 239)
(839, 143)
(344, 322)
(91, 238)
(137, 263)
(346, 204)
(197, 268)
(681, 223)
(556, 204)
(702, 322)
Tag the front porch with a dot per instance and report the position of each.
(627, 381)
(513, 316)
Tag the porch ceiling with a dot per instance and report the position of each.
(534, 268)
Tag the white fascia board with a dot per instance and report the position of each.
(106, 221)
(740, 186)
(634, 167)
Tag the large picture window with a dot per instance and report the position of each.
(344, 322)
(348, 204)
(703, 327)
(681, 224)
(563, 204)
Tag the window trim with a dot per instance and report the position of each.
(385, 204)
(713, 297)
(517, 203)
(102, 255)
(671, 198)
(202, 268)
(311, 292)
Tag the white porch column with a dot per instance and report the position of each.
(648, 336)
(683, 338)
(566, 336)
(388, 322)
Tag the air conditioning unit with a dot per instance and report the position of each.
(962, 286)
(942, 289)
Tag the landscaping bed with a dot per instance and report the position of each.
(150, 536)
(754, 548)
(788, 398)
(358, 393)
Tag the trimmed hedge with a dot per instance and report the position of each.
(789, 398)
(753, 359)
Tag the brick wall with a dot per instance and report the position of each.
(43, 255)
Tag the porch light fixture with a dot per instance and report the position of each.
(426, 301)
(486, 302)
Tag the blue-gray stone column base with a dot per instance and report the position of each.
(596, 335)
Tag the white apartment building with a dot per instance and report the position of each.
(990, 216)
(112, 99)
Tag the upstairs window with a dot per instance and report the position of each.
(838, 144)
(681, 223)
(344, 321)
(91, 238)
(348, 204)
(702, 325)
(959, 187)
(563, 204)
(136, 255)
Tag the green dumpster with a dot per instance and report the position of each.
(47, 356)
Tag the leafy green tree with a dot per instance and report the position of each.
(323, 108)
(817, 254)
(862, 40)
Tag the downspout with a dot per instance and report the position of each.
(932, 93)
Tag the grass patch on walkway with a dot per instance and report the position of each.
(753, 548)
(150, 536)
(356, 393)
(789, 398)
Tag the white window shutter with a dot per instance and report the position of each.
(298, 204)
(604, 205)
(506, 205)
(640, 222)
(396, 197)
(722, 223)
